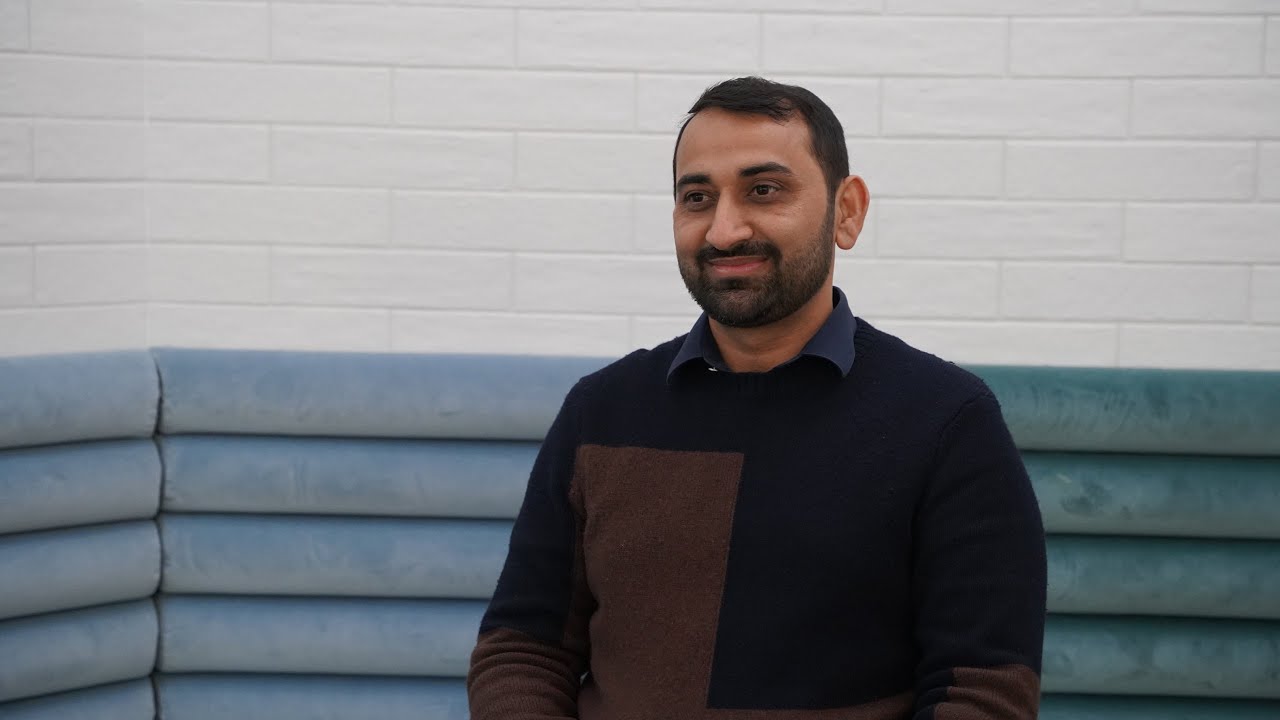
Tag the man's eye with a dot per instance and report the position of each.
(762, 190)
(695, 197)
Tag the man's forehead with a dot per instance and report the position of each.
(735, 141)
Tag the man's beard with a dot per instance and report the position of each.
(752, 302)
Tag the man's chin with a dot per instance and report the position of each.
(735, 286)
(734, 308)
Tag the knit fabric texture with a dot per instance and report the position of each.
(790, 545)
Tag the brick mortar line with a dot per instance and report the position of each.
(942, 73)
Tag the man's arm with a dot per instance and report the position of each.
(979, 576)
(532, 648)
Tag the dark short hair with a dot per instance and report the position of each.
(757, 96)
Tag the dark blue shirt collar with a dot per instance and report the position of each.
(833, 342)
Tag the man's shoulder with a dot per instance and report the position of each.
(911, 366)
(643, 370)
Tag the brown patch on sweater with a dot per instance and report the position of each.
(657, 582)
(1008, 692)
(521, 672)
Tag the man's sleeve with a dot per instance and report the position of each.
(979, 576)
(532, 648)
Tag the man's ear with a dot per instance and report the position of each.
(852, 201)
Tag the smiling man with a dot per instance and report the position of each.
(785, 514)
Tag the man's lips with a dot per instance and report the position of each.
(737, 265)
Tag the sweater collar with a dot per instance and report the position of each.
(833, 342)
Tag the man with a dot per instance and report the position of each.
(785, 514)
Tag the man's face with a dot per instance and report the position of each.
(753, 222)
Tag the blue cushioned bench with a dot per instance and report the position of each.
(201, 535)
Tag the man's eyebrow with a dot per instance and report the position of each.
(693, 179)
(749, 171)
(764, 168)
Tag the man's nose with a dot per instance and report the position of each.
(728, 225)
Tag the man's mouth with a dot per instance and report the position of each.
(737, 265)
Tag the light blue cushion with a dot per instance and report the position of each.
(1162, 656)
(91, 482)
(131, 700)
(309, 697)
(317, 635)
(1087, 707)
(65, 398)
(1206, 412)
(380, 557)
(1167, 495)
(76, 649)
(374, 557)
(1151, 576)
(364, 395)
(78, 567)
(425, 478)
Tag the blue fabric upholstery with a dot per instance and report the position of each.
(78, 567)
(317, 635)
(1162, 656)
(303, 697)
(77, 649)
(370, 557)
(1146, 411)
(64, 398)
(381, 557)
(65, 485)
(131, 700)
(309, 697)
(357, 395)
(1222, 497)
(331, 523)
(424, 478)
(1165, 577)
(1101, 707)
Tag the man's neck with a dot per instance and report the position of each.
(760, 349)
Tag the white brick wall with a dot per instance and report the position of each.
(84, 150)
(1266, 294)
(1108, 291)
(678, 42)
(212, 30)
(72, 329)
(267, 215)
(392, 278)
(384, 35)
(1002, 107)
(391, 158)
(87, 27)
(1269, 172)
(209, 274)
(1132, 170)
(1128, 47)
(13, 25)
(916, 228)
(15, 149)
(883, 46)
(471, 99)
(1074, 182)
(43, 85)
(281, 92)
(17, 276)
(39, 213)
(185, 151)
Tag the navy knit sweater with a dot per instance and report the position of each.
(788, 545)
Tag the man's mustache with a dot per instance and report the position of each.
(746, 248)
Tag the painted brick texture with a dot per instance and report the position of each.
(1076, 182)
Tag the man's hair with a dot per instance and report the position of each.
(757, 96)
